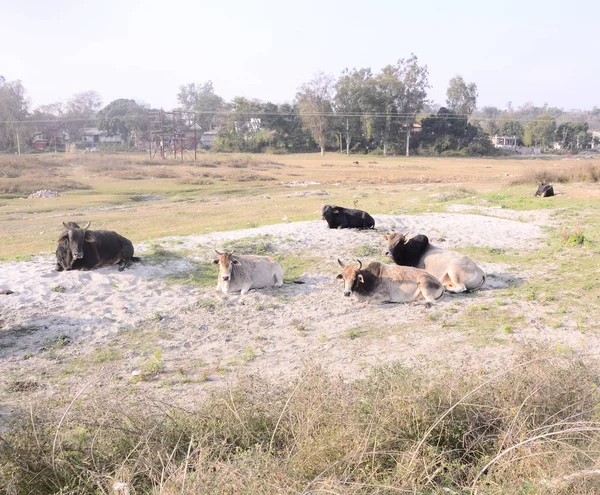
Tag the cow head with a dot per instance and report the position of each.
(76, 237)
(351, 277)
(328, 211)
(225, 262)
(394, 239)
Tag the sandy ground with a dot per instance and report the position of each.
(206, 336)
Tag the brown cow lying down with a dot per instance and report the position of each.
(389, 283)
(242, 273)
(456, 271)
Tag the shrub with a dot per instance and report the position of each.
(398, 429)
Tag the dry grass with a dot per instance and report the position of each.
(209, 194)
(588, 172)
(532, 427)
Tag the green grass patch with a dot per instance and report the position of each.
(294, 266)
(158, 253)
(200, 274)
(259, 245)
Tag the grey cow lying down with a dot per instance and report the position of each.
(456, 271)
(389, 283)
(242, 273)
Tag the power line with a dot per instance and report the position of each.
(376, 115)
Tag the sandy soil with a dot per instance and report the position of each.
(206, 336)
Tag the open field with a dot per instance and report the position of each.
(299, 390)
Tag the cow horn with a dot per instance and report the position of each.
(88, 225)
(340, 263)
(232, 251)
(359, 264)
(66, 226)
(218, 252)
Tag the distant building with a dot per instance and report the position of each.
(53, 138)
(208, 138)
(415, 127)
(504, 141)
(93, 135)
(595, 141)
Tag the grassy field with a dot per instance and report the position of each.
(145, 199)
(530, 426)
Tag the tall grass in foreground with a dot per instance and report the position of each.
(531, 429)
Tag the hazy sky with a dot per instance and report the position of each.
(538, 51)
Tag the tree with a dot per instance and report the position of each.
(201, 98)
(123, 117)
(395, 96)
(351, 91)
(448, 131)
(80, 112)
(573, 135)
(540, 131)
(289, 133)
(512, 128)
(314, 101)
(241, 129)
(461, 97)
(416, 83)
(14, 107)
(490, 117)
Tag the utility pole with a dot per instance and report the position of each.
(408, 127)
(347, 137)
(195, 137)
(18, 144)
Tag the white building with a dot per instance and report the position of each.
(504, 141)
(93, 135)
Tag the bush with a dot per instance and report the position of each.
(583, 173)
(396, 430)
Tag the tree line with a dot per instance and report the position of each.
(387, 112)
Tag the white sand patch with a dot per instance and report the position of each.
(535, 216)
(284, 328)
(94, 304)
(447, 230)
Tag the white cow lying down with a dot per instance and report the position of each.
(242, 273)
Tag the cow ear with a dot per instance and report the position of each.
(63, 238)
(339, 277)
(235, 262)
(89, 237)
(215, 262)
(361, 279)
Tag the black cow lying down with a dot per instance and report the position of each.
(338, 217)
(544, 190)
(64, 256)
(83, 249)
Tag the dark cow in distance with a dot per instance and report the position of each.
(544, 190)
(338, 217)
(91, 249)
